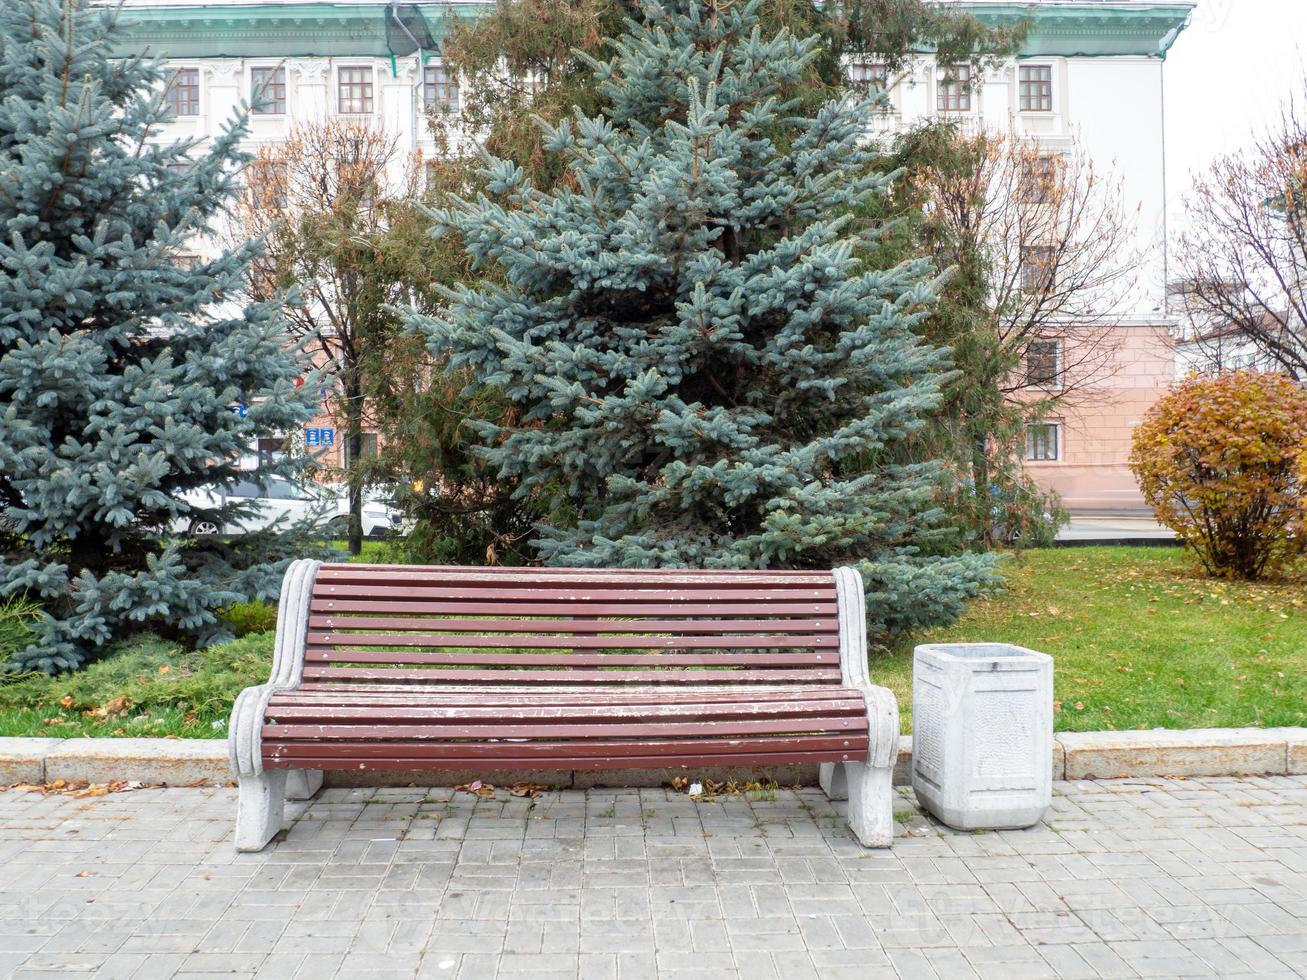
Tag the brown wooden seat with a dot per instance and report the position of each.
(447, 668)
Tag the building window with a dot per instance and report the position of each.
(271, 449)
(869, 78)
(1037, 268)
(183, 93)
(439, 89)
(186, 261)
(368, 449)
(953, 93)
(1044, 364)
(1038, 179)
(268, 91)
(354, 92)
(1043, 442)
(1036, 88)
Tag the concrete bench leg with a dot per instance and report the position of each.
(871, 803)
(302, 784)
(260, 809)
(833, 781)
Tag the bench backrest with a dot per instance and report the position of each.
(405, 624)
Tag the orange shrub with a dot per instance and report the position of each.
(1221, 460)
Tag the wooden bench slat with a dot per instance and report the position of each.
(469, 698)
(569, 761)
(798, 658)
(407, 604)
(357, 571)
(492, 729)
(583, 676)
(525, 592)
(819, 641)
(679, 627)
(831, 743)
(287, 710)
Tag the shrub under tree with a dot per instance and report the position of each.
(699, 357)
(1222, 460)
(127, 376)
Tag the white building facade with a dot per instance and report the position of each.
(1090, 72)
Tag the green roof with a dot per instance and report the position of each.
(1090, 29)
(274, 30)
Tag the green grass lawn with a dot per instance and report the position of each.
(1139, 637)
(145, 686)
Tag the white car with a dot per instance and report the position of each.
(380, 519)
(280, 498)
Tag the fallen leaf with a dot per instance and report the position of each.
(483, 790)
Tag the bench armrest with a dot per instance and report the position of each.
(244, 741)
(882, 725)
(852, 606)
(882, 706)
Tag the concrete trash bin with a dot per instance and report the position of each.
(982, 734)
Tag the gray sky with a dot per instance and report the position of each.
(1226, 79)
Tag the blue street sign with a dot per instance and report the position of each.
(320, 437)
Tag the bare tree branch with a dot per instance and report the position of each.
(1245, 257)
(1052, 232)
(322, 203)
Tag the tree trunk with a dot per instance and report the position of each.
(354, 452)
(980, 476)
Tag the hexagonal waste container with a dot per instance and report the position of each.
(982, 734)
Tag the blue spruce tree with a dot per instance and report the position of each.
(701, 358)
(127, 377)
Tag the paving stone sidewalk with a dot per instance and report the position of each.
(1155, 878)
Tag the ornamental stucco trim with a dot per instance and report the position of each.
(358, 30)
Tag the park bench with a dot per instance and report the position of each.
(395, 667)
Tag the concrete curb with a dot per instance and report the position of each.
(1198, 752)
(1076, 755)
(22, 760)
(174, 761)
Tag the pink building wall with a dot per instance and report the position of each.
(1098, 422)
